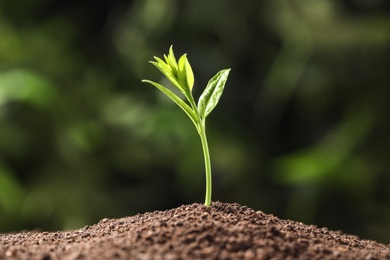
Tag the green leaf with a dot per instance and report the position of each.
(162, 66)
(185, 74)
(167, 71)
(212, 93)
(167, 61)
(171, 59)
(186, 108)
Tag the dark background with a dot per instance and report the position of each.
(302, 130)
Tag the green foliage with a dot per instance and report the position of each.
(181, 75)
(212, 93)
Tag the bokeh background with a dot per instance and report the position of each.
(302, 130)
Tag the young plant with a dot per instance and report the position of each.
(180, 74)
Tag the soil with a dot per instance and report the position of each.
(221, 231)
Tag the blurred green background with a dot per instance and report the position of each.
(302, 130)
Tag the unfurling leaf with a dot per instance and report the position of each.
(172, 59)
(212, 93)
(185, 75)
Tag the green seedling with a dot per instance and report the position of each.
(180, 74)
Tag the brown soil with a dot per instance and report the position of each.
(222, 231)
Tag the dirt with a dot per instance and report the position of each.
(221, 231)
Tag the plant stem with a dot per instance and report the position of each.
(207, 162)
(201, 127)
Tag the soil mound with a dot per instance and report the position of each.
(221, 231)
